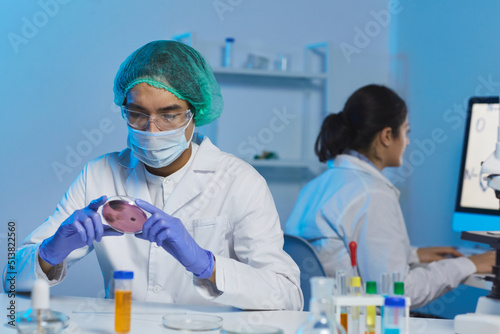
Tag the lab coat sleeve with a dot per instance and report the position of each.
(383, 246)
(379, 230)
(264, 276)
(27, 265)
(414, 259)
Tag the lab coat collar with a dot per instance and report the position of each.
(205, 161)
(127, 159)
(207, 157)
(192, 184)
(351, 162)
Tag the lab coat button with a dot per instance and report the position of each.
(157, 288)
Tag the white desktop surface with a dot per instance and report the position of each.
(95, 315)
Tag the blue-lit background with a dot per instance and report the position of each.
(58, 60)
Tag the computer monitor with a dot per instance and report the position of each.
(477, 208)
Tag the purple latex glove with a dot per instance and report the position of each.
(78, 230)
(170, 233)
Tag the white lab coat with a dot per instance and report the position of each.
(225, 205)
(353, 201)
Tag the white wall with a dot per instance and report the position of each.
(57, 81)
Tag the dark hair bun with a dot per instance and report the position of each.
(367, 111)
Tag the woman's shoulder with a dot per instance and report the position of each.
(360, 173)
(346, 186)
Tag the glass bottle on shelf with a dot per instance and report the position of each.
(227, 60)
(321, 320)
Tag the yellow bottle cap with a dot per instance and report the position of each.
(356, 281)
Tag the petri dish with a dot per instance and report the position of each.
(123, 215)
(251, 329)
(194, 323)
(50, 321)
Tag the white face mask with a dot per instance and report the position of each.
(158, 149)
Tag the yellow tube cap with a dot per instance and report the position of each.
(356, 281)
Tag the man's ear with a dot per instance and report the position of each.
(386, 136)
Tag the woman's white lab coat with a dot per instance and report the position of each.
(225, 205)
(353, 201)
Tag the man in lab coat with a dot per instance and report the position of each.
(213, 236)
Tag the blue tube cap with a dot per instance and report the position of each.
(123, 274)
(395, 301)
(230, 39)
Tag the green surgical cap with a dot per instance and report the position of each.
(177, 68)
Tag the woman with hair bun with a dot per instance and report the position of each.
(354, 201)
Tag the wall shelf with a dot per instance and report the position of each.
(288, 169)
(312, 82)
(270, 73)
(282, 163)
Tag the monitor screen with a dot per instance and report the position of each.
(477, 208)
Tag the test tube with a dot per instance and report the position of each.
(385, 290)
(394, 311)
(355, 291)
(123, 300)
(228, 52)
(371, 311)
(385, 284)
(399, 290)
(342, 291)
(396, 277)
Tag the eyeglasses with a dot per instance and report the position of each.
(164, 121)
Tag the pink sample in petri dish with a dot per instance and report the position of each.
(123, 215)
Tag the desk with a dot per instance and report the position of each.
(95, 315)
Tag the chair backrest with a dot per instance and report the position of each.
(306, 258)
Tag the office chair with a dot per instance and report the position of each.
(306, 258)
